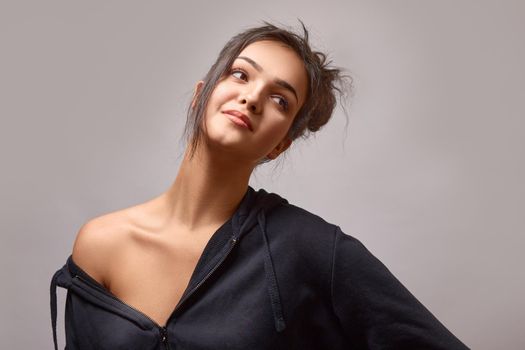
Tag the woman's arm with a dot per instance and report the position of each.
(375, 310)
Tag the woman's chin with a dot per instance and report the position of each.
(226, 137)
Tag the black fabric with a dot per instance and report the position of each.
(274, 276)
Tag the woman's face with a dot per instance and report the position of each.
(252, 108)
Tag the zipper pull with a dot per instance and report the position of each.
(164, 337)
(164, 334)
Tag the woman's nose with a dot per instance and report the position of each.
(252, 107)
(252, 100)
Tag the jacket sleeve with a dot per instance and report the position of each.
(374, 309)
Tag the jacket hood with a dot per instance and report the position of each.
(252, 211)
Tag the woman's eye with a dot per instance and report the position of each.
(281, 101)
(239, 74)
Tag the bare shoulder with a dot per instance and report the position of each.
(96, 241)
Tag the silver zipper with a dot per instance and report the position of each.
(233, 242)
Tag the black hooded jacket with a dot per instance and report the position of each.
(274, 276)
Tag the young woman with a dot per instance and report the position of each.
(212, 263)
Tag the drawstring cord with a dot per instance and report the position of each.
(271, 280)
(53, 303)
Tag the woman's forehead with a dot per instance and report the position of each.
(279, 61)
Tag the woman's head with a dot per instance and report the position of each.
(318, 92)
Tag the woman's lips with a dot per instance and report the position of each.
(239, 118)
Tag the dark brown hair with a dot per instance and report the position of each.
(324, 81)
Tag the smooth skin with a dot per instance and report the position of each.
(146, 254)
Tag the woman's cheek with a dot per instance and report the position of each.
(273, 135)
(222, 93)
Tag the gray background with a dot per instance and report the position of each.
(429, 174)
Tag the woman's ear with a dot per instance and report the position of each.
(280, 148)
(196, 93)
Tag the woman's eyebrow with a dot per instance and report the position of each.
(278, 81)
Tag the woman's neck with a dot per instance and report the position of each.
(206, 191)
